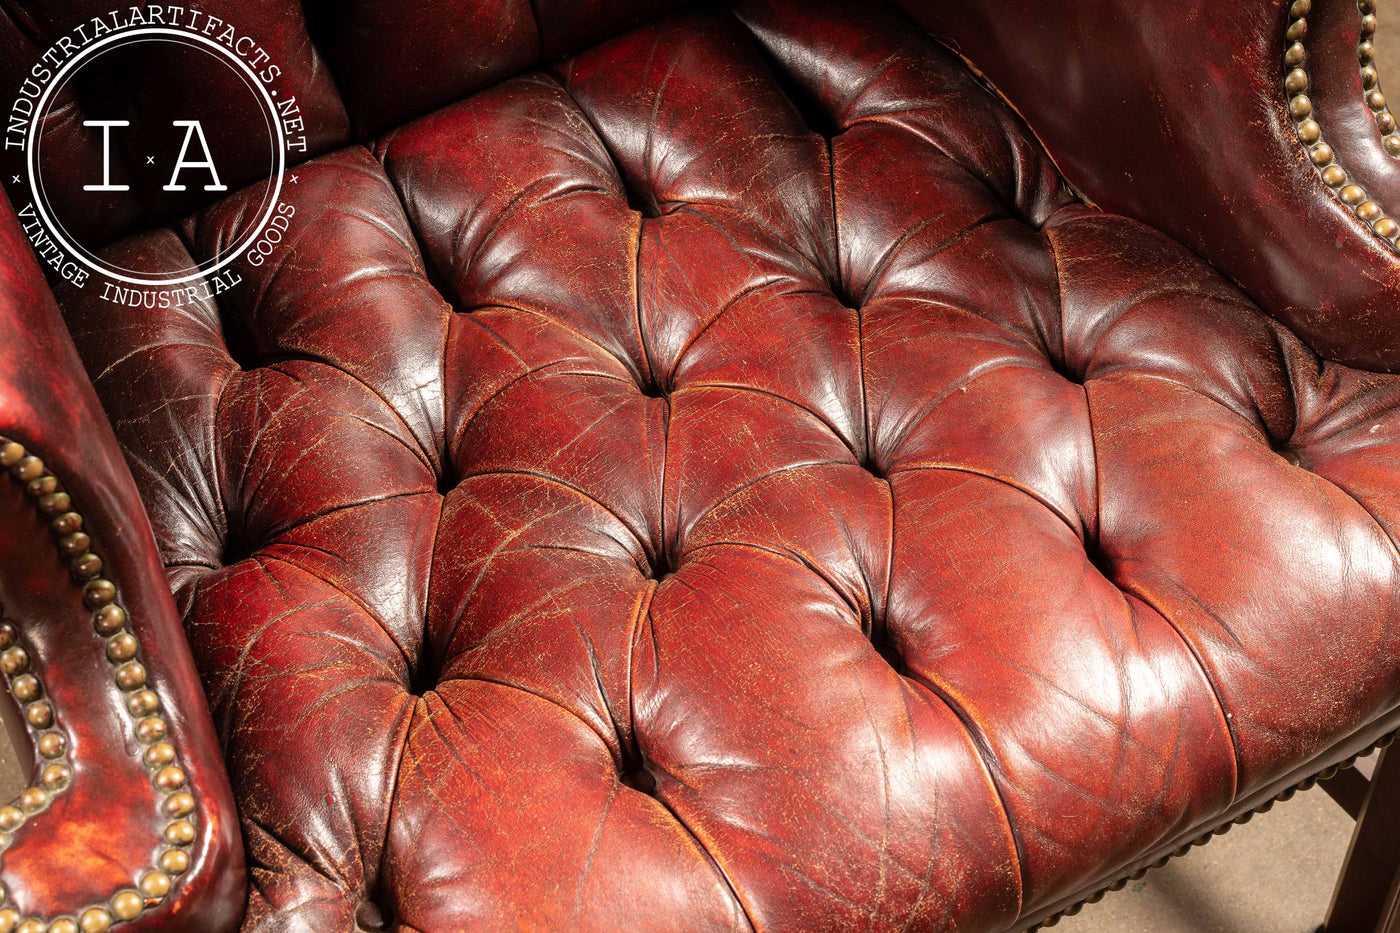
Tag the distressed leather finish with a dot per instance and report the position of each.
(724, 481)
(1176, 114)
(104, 829)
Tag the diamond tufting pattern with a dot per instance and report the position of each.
(724, 481)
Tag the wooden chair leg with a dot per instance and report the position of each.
(1367, 897)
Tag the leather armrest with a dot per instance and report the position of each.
(1183, 114)
(128, 815)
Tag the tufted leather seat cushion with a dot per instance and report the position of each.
(725, 482)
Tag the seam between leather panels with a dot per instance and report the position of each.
(1225, 717)
(719, 871)
(649, 374)
(986, 757)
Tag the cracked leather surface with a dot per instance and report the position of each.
(723, 481)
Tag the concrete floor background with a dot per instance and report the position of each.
(1273, 874)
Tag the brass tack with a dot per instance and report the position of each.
(1222, 830)
(56, 777)
(10, 454)
(95, 920)
(1295, 55)
(1118, 885)
(121, 647)
(1050, 921)
(127, 905)
(51, 745)
(67, 523)
(39, 715)
(1385, 121)
(28, 468)
(1300, 107)
(1162, 861)
(8, 634)
(1366, 52)
(109, 620)
(1368, 210)
(179, 804)
(10, 817)
(174, 861)
(155, 884)
(1333, 176)
(1264, 807)
(41, 487)
(143, 702)
(71, 546)
(4, 894)
(160, 754)
(14, 660)
(63, 925)
(1183, 850)
(1296, 82)
(1368, 25)
(1073, 909)
(1297, 30)
(1327, 773)
(1392, 145)
(151, 729)
(1244, 817)
(1138, 875)
(180, 833)
(1366, 6)
(9, 919)
(1095, 897)
(1322, 155)
(32, 925)
(86, 566)
(32, 799)
(1286, 795)
(1369, 76)
(131, 676)
(1386, 740)
(1300, 8)
(1375, 100)
(1386, 227)
(26, 688)
(98, 593)
(1309, 132)
(1307, 784)
(169, 778)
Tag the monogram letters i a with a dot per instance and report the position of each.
(192, 130)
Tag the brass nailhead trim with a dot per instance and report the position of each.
(1309, 131)
(1284, 795)
(177, 805)
(1371, 80)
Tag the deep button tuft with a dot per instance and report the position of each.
(237, 547)
(371, 917)
(650, 389)
(638, 777)
(660, 567)
(883, 641)
(1094, 551)
(1066, 372)
(1294, 456)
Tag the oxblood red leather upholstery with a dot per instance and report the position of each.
(724, 481)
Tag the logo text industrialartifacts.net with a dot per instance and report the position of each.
(186, 166)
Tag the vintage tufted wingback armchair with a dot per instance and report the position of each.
(798, 465)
